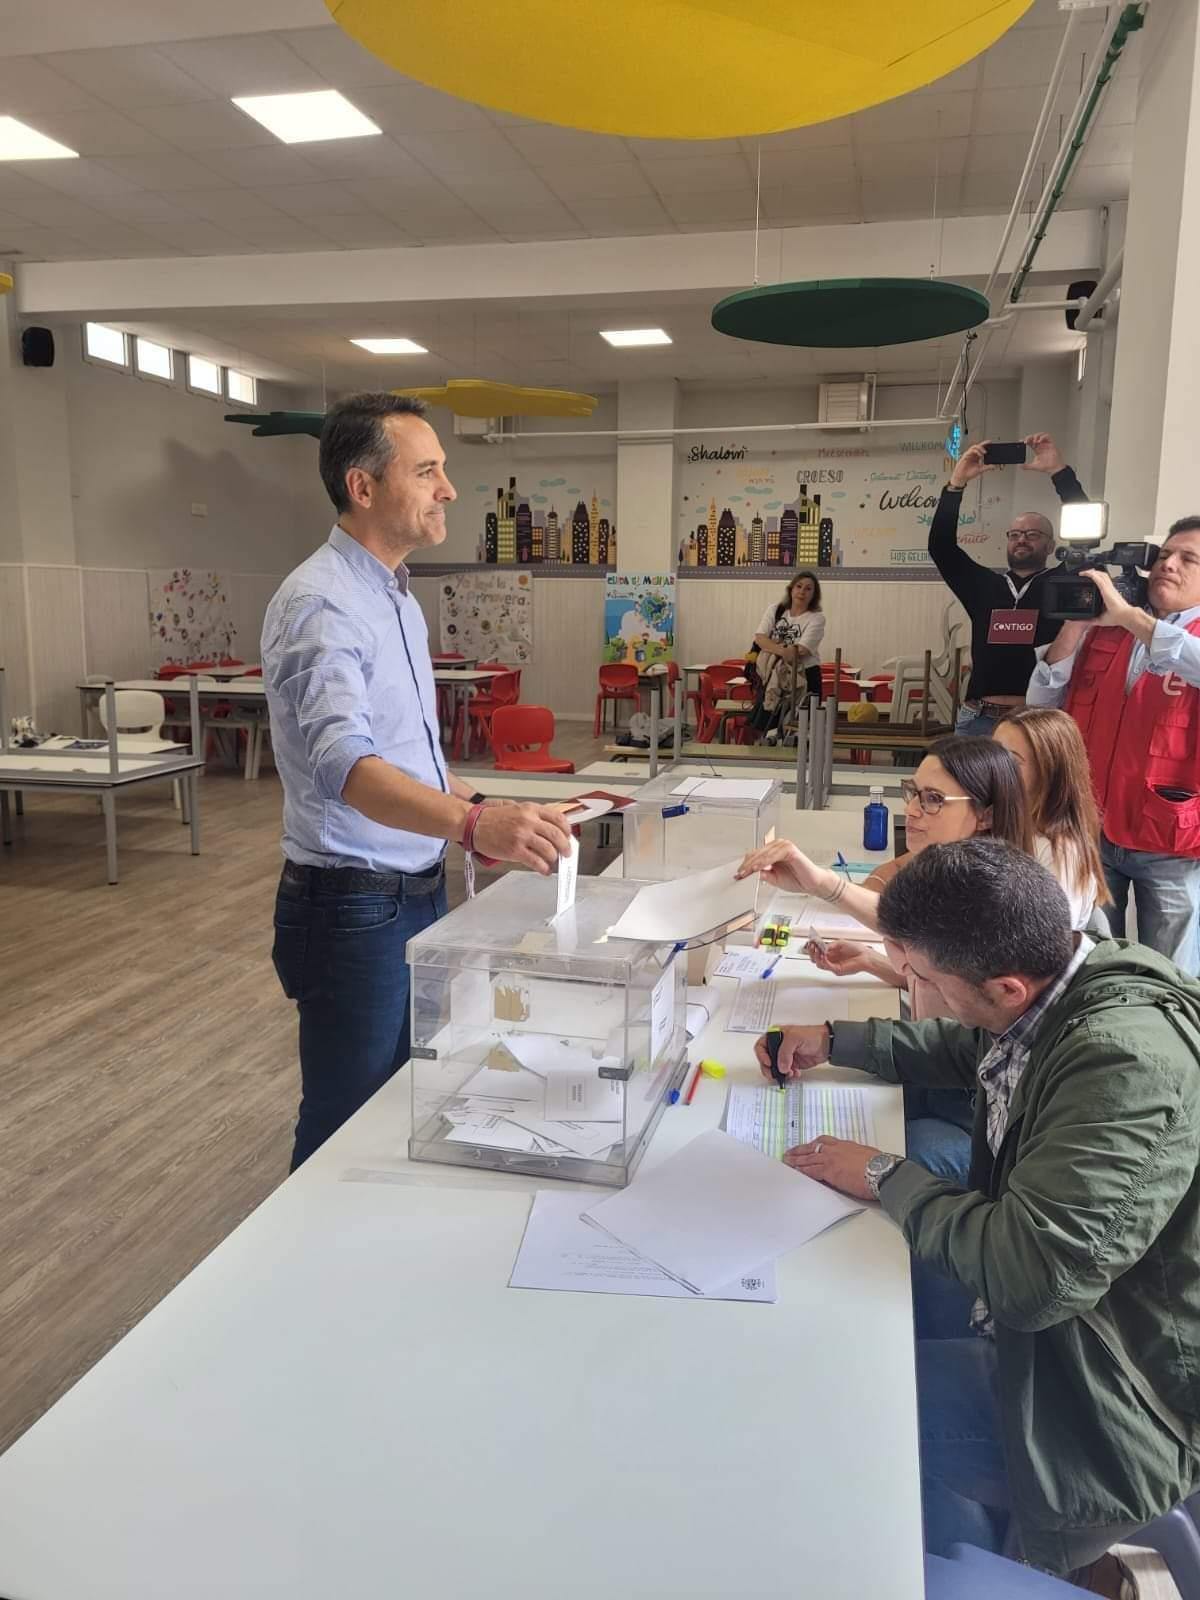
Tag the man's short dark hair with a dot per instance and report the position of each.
(1184, 525)
(354, 436)
(980, 909)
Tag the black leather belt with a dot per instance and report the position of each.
(357, 880)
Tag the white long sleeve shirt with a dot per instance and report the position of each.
(1171, 649)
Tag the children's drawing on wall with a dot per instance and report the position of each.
(190, 617)
(639, 618)
(488, 615)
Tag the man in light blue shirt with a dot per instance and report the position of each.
(368, 802)
(1134, 688)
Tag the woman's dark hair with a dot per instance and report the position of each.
(786, 603)
(985, 770)
(353, 435)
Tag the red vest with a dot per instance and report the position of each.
(1137, 743)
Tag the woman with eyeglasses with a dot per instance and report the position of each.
(964, 785)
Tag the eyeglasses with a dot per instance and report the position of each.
(930, 801)
(1026, 533)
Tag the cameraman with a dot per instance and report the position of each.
(1004, 608)
(1130, 680)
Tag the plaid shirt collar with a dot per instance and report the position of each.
(1001, 1068)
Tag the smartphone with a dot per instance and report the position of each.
(1005, 455)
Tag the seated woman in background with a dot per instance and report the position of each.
(1048, 748)
(963, 786)
(788, 641)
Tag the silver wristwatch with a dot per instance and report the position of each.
(878, 1168)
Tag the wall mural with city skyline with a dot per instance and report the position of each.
(550, 519)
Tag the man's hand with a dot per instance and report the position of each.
(836, 1162)
(1045, 454)
(1117, 613)
(799, 1049)
(970, 465)
(785, 867)
(532, 836)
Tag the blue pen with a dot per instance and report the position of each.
(841, 864)
(772, 967)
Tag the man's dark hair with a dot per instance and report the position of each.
(354, 436)
(980, 909)
(1184, 525)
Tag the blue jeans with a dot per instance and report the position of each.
(1166, 891)
(341, 958)
(964, 1483)
(980, 723)
(937, 1131)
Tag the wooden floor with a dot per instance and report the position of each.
(148, 1075)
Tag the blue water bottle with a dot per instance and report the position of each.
(875, 822)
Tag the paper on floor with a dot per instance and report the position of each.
(561, 1251)
(718, 1210)
(687, 908)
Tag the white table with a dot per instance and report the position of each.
(461, 681)
(70, 772)
(248, 694)
(345, 1399)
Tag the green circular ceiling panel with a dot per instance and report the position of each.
(849, 313)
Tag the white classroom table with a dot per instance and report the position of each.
(345, 1399)
(461, 681)
(71, 772)
(248, 694)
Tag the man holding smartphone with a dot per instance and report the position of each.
(1131, 680)
(1004, 608)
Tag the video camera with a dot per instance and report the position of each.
(1067, 597)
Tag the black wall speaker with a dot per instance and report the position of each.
(37, 347)
(1080, 290)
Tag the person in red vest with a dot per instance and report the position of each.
(1131, 680)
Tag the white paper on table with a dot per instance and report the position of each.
(824, 924)
(687, 786)
(758, 1115)
(717, 1210)
(662, 1013)
(701, 1003)
(746, 963)
(546, 1056)
(568, 873)
(584, 1097)
(760, 1005)
(726, 788)
(494, 1132)
(587, 1139)
(560, 1250)
(686, 908)
(498, 1085)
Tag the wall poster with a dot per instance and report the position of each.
(488, 615)
(639, 617)
(190, 617)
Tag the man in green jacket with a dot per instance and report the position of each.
(1068, 1413)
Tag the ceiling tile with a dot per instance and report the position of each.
(129, 77)
(1094, 186)
(1120, 98)
(84, 179)
(817, 136)
(197, 238)
(371, 157)
(398, 201)
(1109, 147)
(339, 59)
(99, 133)
(962, 79)
(516, 232)
(28, 86)
(54, 210)
(167, 172)
(796, 203)
(546, 146)
(1001, 152)
(447, 227)
(519, 188)
(632, 213)
(115, 239)
(920, 158)
(700, 175)
(262, 165)
(466, 153)
(204, 125)
(143, 206)
(250, 63)
(41, 244)
(682, 149)
(613, 182)
(719, 208)
(412, 108)
(1025, 56)
(909, 197)
(784, 167)
(987, 191)
(1013, 111)
(362, 231)
(917, 116)
(270, 231)
(312, 199)
(229, 205)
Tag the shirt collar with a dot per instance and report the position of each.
(366, 565)
(1022, 1030)
(1182, 618)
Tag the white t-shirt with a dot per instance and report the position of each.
(1081, 901)
(807, 630)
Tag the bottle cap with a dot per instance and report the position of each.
(876, 793)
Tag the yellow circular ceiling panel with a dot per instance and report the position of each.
(676, 69)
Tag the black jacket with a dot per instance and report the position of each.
(996, 669)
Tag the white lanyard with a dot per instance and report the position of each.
(1012, 588)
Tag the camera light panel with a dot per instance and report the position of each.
(1084, 523)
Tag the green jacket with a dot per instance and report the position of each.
(1083, 1238)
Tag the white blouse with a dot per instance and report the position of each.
(1082, 901)
(807, 630)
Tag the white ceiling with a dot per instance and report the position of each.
(171, 168)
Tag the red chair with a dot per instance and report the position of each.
(500, 666)
(709, 716)
(505, 690)
(515, 729)
(617, 683)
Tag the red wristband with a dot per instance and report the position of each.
(468, 837)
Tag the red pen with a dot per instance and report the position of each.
(687, 1099)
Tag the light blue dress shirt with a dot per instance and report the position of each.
(345, 658)
(1171, 649)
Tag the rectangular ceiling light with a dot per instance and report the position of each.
(391, 347)
(627, 338)
(301, 118)
(21, 143)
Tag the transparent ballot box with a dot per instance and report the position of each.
(539, 1044)
(680, 824)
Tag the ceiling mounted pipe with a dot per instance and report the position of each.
(1109, 279)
